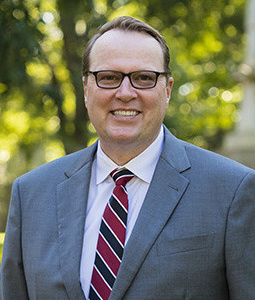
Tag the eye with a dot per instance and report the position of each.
(108, 76)
(143, 78)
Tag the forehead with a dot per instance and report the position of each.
(126, 47)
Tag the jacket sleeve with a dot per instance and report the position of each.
(240, 241)
(12, 277)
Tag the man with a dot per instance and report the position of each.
(191, 213)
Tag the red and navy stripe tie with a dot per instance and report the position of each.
(111, 239)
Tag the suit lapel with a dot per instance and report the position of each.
(164, 194)
(71, 212)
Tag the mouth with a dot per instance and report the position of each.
(125, 113)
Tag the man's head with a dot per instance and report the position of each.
(127, 24)
(126, 90)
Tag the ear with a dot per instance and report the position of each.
(169, 88)
(85, 89)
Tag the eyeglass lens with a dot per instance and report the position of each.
(113, 79)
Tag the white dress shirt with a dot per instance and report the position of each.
(101, 187)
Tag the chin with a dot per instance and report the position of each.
(123, 138)
(123, 134)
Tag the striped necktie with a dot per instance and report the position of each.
(111, 239)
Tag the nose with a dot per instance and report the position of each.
(126, 92)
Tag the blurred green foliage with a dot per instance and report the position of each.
(41, 98)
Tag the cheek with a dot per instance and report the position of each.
(96, 103)
(162, 107)
(162, 101)
(156, 110)
(87, 102)
(167, 104)
(90, 106)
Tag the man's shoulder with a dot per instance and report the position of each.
(208, 165)
(58, 169)
(203, 160)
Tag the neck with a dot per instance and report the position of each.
(122, 154)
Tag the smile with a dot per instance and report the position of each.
(125, 113)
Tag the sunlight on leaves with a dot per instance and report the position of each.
(40, 72)
(130, 9)
(53, 150)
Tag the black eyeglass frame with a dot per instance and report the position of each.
(129, 76)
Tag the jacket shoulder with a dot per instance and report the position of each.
(215, 166)
(60, 168)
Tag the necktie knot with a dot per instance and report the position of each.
(122, 177)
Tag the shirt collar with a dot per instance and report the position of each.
(142, 166)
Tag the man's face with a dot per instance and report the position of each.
(109, 109)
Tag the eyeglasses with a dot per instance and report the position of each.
(109, 79)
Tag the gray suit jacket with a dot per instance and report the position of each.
(194, 237)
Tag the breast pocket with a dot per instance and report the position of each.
(192, 243)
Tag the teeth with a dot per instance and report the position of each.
(125, 113)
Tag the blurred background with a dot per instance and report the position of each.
(42, 113)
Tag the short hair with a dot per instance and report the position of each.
(127, 24)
